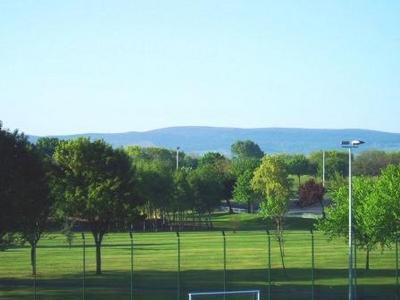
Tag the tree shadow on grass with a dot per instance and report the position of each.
(157, 284)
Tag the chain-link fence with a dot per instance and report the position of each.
(169, 266)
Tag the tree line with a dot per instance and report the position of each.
(90, 184)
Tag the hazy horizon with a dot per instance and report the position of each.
(204, 126)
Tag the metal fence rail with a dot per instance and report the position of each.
(149, 266)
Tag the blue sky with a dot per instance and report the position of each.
(113, 66)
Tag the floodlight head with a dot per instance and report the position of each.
(357, 142)
(345, 143)
(352, 144)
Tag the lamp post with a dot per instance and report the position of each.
(177, 158)
(323, 168)
(351, 145)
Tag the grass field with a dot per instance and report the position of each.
(155, 266)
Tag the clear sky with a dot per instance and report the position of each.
(111, 66)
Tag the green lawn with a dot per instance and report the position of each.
(155, 266)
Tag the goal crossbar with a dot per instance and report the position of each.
(257, 292)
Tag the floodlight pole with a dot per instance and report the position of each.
(350, 145)
(323, 168)
(177, 158)
(350, 232)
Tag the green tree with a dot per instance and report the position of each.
(367, 215)
(246, 158)
(385, 204)
(47, 146)
(156, 188)
(372, 162)
(98, 185)
(271, 180)
(24, 193)
(246, 149)
(299, 165)
(182, 196)
(222, 168)
(243, 192)
(13, 145)
(335, 163)
(207, 190)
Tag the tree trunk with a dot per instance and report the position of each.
(209, 220)
(228, 202)
(33, 259)
(281, 246)
(367, 260)
(299, 176)
(98, 238)
(98, 258)
(322, 208)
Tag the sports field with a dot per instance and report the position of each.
(202, 265)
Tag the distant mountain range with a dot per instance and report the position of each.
(197, 139)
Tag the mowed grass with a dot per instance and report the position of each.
(155, 267)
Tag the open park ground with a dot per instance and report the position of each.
(155, 262)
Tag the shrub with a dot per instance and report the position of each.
(311, 192)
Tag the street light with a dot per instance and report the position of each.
(323, 168)
(351, 145)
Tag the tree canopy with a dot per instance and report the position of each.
(246, 149)
(97, 184)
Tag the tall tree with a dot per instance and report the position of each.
(222, 168)
(243, 192)
(24, 192)
(372, 162)
(368, 215)
(299, 165)
(208, 190)
(98, 185)
(182, 199)
(335, 163)
(47, 146)
(385, 204)
(246, 149)
(156, 188)
(271, 180)
(13, 145)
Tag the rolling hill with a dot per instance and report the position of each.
(197, 139)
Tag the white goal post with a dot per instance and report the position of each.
(244, 292)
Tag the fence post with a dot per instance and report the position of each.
(84, 266)
(312, 266)
(397, 267)
(179, 267)
(34, 270)
(355, 268)
(269, 264)
(224, 244)
(131, 238)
